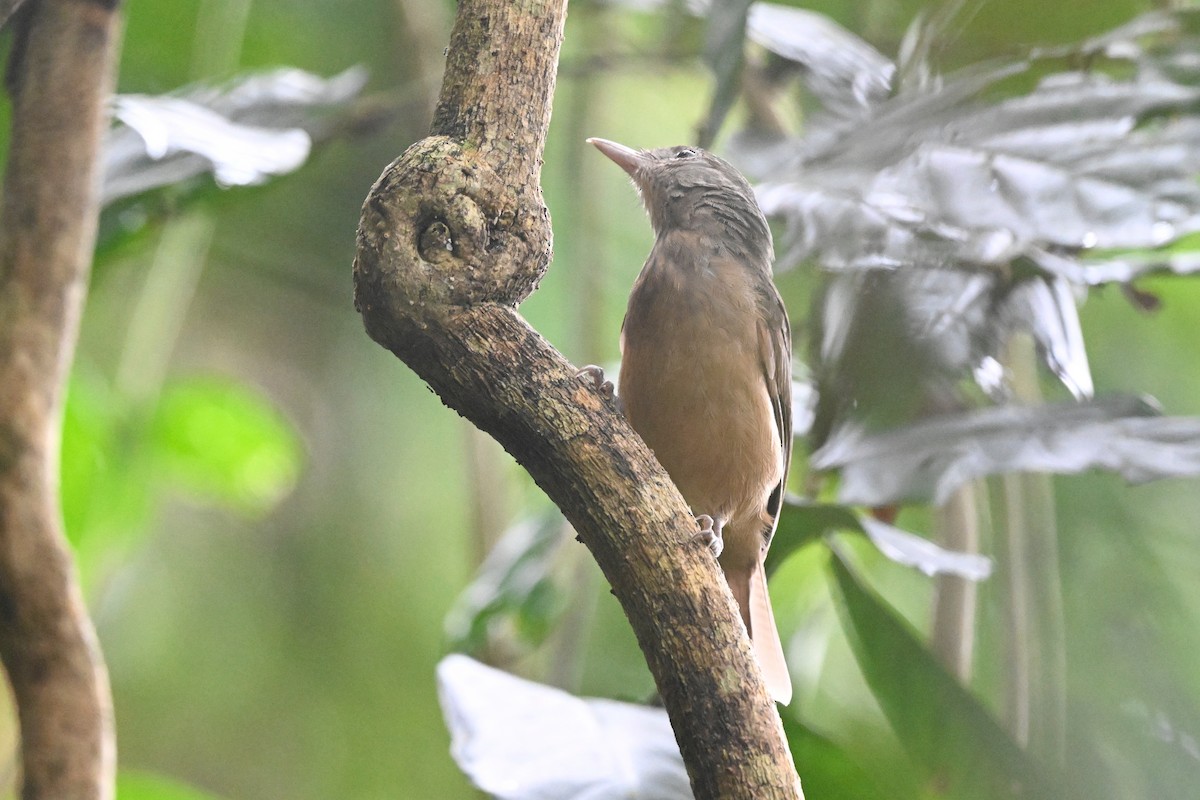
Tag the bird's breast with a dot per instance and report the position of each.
(693, 383)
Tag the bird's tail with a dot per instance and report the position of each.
(765, 638)
(750, 591)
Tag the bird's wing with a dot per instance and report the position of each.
(775, 354)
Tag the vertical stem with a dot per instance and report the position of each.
(953, 626)
(1012, 555)
(488, 490)
(1037, 630)
(582, 251)
(569, 642)
(158, 313)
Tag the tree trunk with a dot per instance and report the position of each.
(63, 56)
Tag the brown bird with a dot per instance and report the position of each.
(706, 366)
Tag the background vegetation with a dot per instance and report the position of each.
(274, 517)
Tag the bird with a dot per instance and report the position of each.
(705, 375)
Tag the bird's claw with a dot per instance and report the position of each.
(709, 535)
(596, 375)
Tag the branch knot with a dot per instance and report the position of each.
(442, 230)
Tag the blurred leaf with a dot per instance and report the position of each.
(913, 551)
(723, 53)
(106, 493)
(928, 460)
(801, 523)
(843, 71)
(90, 421)
(225, 443)
(1124, 268)
(827, 772)
(804, 404)
(930, 30)
(138, 785)
(1046, 308)
(254, 128)
(887, 345)
(173, 128)
(962, 749)
(243, 124)
(514, 587)
(1009, 172)
(519, 740)
(940, 169)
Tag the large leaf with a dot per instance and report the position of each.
(828, 772)
(937, 170)
(963, 751)
(983, 194)
(928, 460)
(519, 740)
(244, 133)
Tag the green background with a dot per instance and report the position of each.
(272, 612)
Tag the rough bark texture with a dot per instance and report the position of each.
(453, 235)
(60, 81)
(7, 9)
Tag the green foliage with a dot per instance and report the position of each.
(828, 772)
(963, 751)
(215, 440)
(224, 443)
(326, 614)
(514, 600)
(105, 497)
(803, 523)
(137, 785)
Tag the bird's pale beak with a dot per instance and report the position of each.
(626, 158)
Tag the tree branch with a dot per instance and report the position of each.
(453, 236)
(60, 80)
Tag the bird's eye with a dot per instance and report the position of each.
(686, 152)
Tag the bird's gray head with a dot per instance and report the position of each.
(687, 188)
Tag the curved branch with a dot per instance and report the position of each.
(453, 235)
(60, 81)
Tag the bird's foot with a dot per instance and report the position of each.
(604, 387)
(710, 534)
